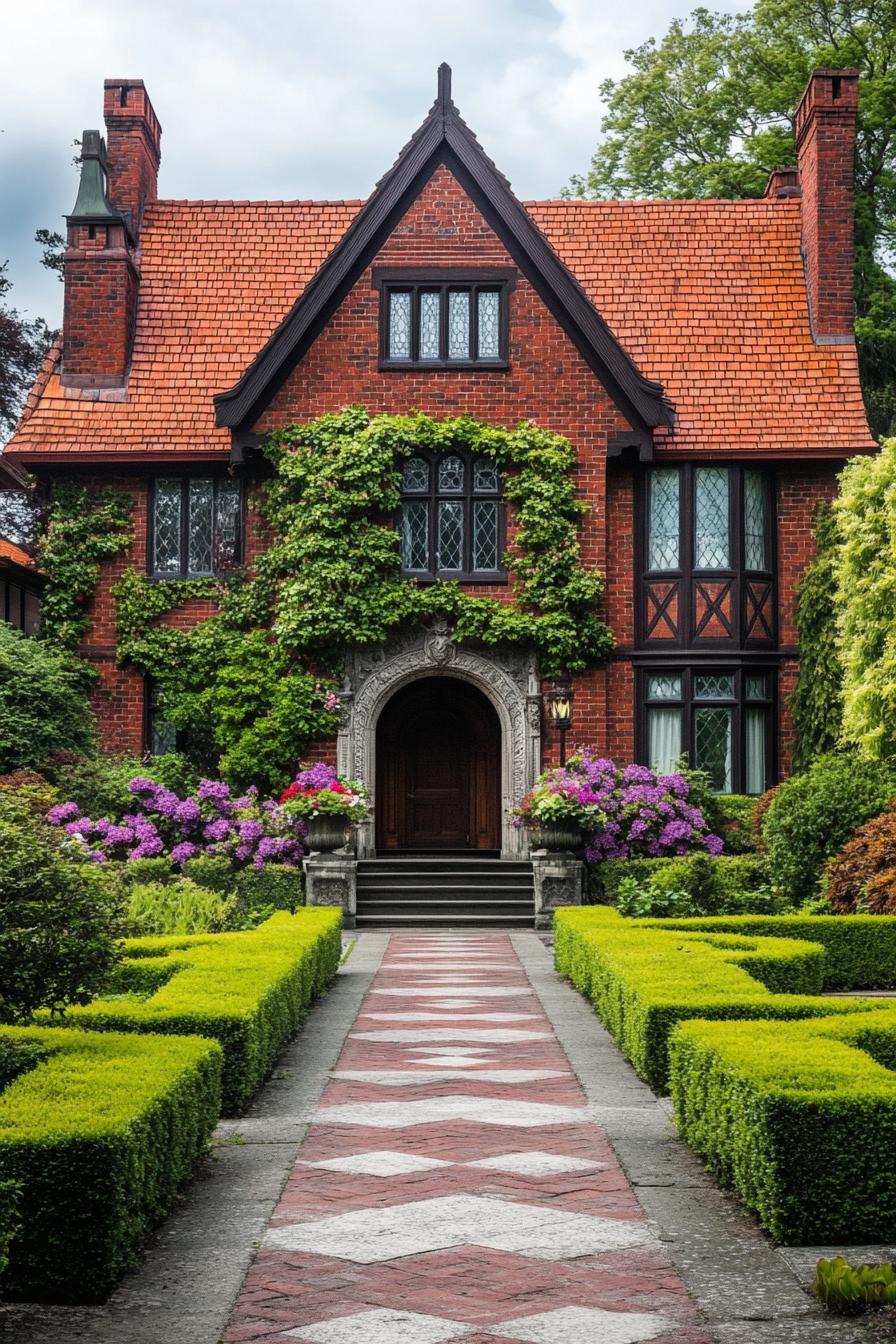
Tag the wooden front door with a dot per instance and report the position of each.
(438, 769)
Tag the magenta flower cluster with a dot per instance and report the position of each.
(623, 811)
(214, 822)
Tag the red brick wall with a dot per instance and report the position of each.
(133, 147)
(547, 381)
(825, 125)
(99, 307)
(799, 491)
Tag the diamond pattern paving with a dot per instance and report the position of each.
(484, 1204)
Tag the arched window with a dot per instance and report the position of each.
(451, 518)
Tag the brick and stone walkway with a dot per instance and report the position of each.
(452, 1185)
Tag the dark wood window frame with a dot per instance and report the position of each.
(433, 496)
(739, 704)
(414, 281)
(749, 630)
(185, 476)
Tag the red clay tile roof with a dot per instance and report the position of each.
(707, 296)
(11, 552)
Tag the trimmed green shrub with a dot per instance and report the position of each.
(643, 979)
(44, 706)
(214, 873)
(798, 1117)
(860, 950)
(731, 884)
(181, 906)
(274, 885)
(59, 918)
(812, 816)
(605, 877)
(98, 1136)
(250, 991)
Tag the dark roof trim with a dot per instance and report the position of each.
(444, 138)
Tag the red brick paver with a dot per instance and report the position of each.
(410, 1238)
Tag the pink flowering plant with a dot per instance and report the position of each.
(622, 811)
(318, 791)
(214, 822)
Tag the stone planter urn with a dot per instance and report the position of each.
(324, 834)
(556, 836)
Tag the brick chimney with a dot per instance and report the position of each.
(825, 127)
(133, 148)
(101, 273)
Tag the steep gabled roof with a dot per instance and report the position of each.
(444, 138)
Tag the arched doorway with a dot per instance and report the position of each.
(438, 753)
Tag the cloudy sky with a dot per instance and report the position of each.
(298, 98)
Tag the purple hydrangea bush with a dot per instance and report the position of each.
(623, 812)
(212, 823)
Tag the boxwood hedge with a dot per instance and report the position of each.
(798, 1117)
(643, 979)
(860, 950)
(249, 991)
(97, 1133)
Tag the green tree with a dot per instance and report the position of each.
(708, 111)
(23, 345)
(44, 707)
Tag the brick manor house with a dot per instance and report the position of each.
(699, 356)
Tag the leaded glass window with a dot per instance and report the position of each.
(755, 532)
(196, 526)
(712, 541)
(485, 476)
(430, 323)
(663, 547)
(451, 516)
(459, 324)
(443, 323)
(721, 720)
(451, 474)
(167, 556)
(415, 475)
(415, 536)
(399, 324)
(488, 328)
(485, 534)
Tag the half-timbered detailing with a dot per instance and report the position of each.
(706, 557)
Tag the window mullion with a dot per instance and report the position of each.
(415, 325)
(443, 324)
(184, 568)
(474, 322)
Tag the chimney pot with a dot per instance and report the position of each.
(133, 148)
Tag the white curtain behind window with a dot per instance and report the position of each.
(664, 738)
(755, 754)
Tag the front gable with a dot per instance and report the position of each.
(444, 145)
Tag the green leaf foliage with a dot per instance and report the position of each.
(697, 884)
(253, 680)
(707, 111)
(44, 706)
(97, 1134)
(643, 977)
(59, 918)
(866, 600)
(813, 815)
(816, 705)
(82, 530)
(846, 1290)
(249, 991)
(799, 1118)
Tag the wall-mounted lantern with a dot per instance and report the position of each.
(559, 706)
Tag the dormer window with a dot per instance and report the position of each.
(451, 521)
(444, 320)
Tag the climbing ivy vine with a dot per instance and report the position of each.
(257, 680)
(816, 704)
